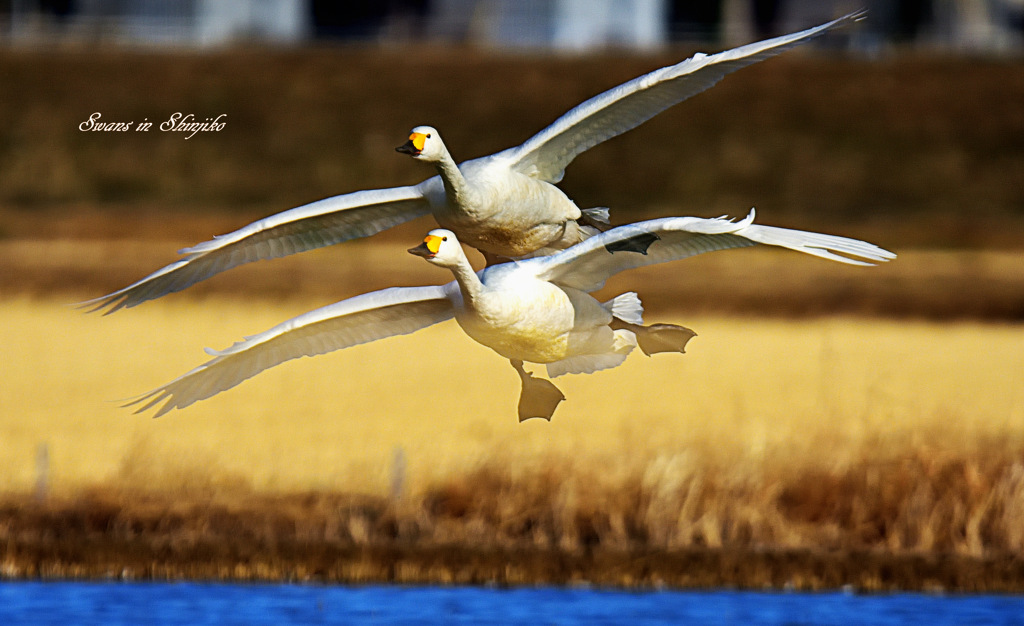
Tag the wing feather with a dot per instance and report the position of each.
(625, 107)
(365, 318)
(311, 226)
(589, 264)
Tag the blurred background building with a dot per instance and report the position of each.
(989, 26)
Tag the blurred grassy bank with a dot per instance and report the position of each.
(907, 152)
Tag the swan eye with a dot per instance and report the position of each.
(442, 238)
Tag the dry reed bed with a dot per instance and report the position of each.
(913, 522)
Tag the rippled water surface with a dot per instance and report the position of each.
(192, 603)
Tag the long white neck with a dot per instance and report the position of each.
(469, 283)
(455, 186)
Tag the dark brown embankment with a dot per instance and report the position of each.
(916, 524)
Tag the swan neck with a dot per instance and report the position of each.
(469, 282)
(455, 186)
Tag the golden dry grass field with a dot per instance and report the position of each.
(794, 395)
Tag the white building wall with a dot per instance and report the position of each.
(569, 25)
(223, 21)
(586, 24)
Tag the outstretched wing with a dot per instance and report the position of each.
(314, 225)
(364, 318)
(589, 264)
(625, 107)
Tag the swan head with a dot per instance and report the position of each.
(440, 247)
(424, 144)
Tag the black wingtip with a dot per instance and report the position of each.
(637, 243)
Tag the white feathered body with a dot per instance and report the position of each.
(504, 212)
(522, 317)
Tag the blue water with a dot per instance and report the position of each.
(192, 603)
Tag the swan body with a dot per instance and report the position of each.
(497, 209)
(505, 204)
(521, 316)
(538, 310)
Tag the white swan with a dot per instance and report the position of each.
(505, 204)
(537, 310)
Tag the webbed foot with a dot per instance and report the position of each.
(539, 397)
(657, 337)
(663, 338)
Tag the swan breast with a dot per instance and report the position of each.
(521, 318)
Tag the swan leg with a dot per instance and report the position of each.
(539, 397)
(657, 338)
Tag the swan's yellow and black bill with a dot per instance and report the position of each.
(431, 244)
(415, 144)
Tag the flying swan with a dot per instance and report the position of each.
(505, 204)
(538, 310)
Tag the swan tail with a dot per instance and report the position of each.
(626, 307)
(597, 217)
